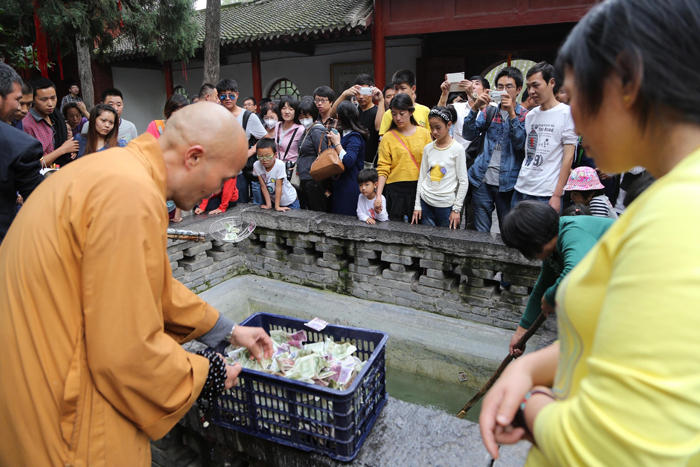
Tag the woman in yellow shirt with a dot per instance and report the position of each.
(400, 153)
(622, 384)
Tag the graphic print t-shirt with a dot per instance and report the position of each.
(547, 133)
(278, 172)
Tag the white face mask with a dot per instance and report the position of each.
(270, 122)
(307, 122)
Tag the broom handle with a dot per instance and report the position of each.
(520, 345)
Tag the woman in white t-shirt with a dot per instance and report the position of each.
(272, 176)
(442, 179)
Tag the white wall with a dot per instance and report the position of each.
(307, 72)
(144, 94)
(144, 89)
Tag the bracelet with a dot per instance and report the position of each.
(230, 334)
(216, 378)
(530, 393)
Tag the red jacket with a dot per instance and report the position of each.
(228, 194)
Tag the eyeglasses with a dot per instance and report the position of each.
(321, 100)
(225, 96)
(266, 158)
(501, 87)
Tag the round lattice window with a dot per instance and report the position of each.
(283, 87)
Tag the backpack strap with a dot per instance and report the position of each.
(246, 117)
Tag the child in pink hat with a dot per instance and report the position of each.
(584, 187)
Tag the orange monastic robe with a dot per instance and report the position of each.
(91, 317)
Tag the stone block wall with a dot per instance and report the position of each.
(453, 273)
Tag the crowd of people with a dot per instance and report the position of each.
(92, 317)
(477, 151)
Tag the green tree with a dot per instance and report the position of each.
(165, 29)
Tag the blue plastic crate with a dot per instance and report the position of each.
(308, 416)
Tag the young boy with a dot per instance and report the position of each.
(368, 178)
(404, 82)
(272, 175)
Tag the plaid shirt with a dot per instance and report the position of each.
(35, 125)
(510, 134)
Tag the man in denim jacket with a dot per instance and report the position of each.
(493, 175)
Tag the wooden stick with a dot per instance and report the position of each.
(520, 345)
(196, 238)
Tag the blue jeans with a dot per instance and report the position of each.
(257, 194)
(242, 185)
(294, 205)
(435, 216)
(483, 200)
(518, 197)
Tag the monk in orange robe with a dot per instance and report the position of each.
(91, 319)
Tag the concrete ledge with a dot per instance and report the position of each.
(448, 272)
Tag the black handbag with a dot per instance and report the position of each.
(476, 147)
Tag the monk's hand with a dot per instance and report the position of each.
(254, 339)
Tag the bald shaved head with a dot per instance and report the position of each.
(203, 145)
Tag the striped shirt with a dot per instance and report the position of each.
(600, 206)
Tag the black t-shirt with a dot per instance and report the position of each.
(367, 121)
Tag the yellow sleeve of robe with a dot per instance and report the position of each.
(129, 355)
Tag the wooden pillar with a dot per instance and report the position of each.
(378, 45)
(168, 72)
(257, 79)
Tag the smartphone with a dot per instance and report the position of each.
(365, 91)
(454, 79)
(495, 96)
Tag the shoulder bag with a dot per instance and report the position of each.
(327, 163)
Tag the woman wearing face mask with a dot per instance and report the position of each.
(314, 195)
(102, 131)
(269, 118)
(351, 149)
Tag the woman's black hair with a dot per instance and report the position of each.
(577, 210)
(529, 226)
(525, 95)
(293, 103)
(368, 175)
(176, 102)
(111, 138)
(349, 118)
(649, 42)
(402, 101)
(308, 107)
(445, 113)
(69, 105)
(266, 143)
(637, 187)
(454, 95)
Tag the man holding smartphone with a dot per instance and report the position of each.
(495, 170)
(365, 94)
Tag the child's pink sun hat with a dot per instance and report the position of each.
(583, 179)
